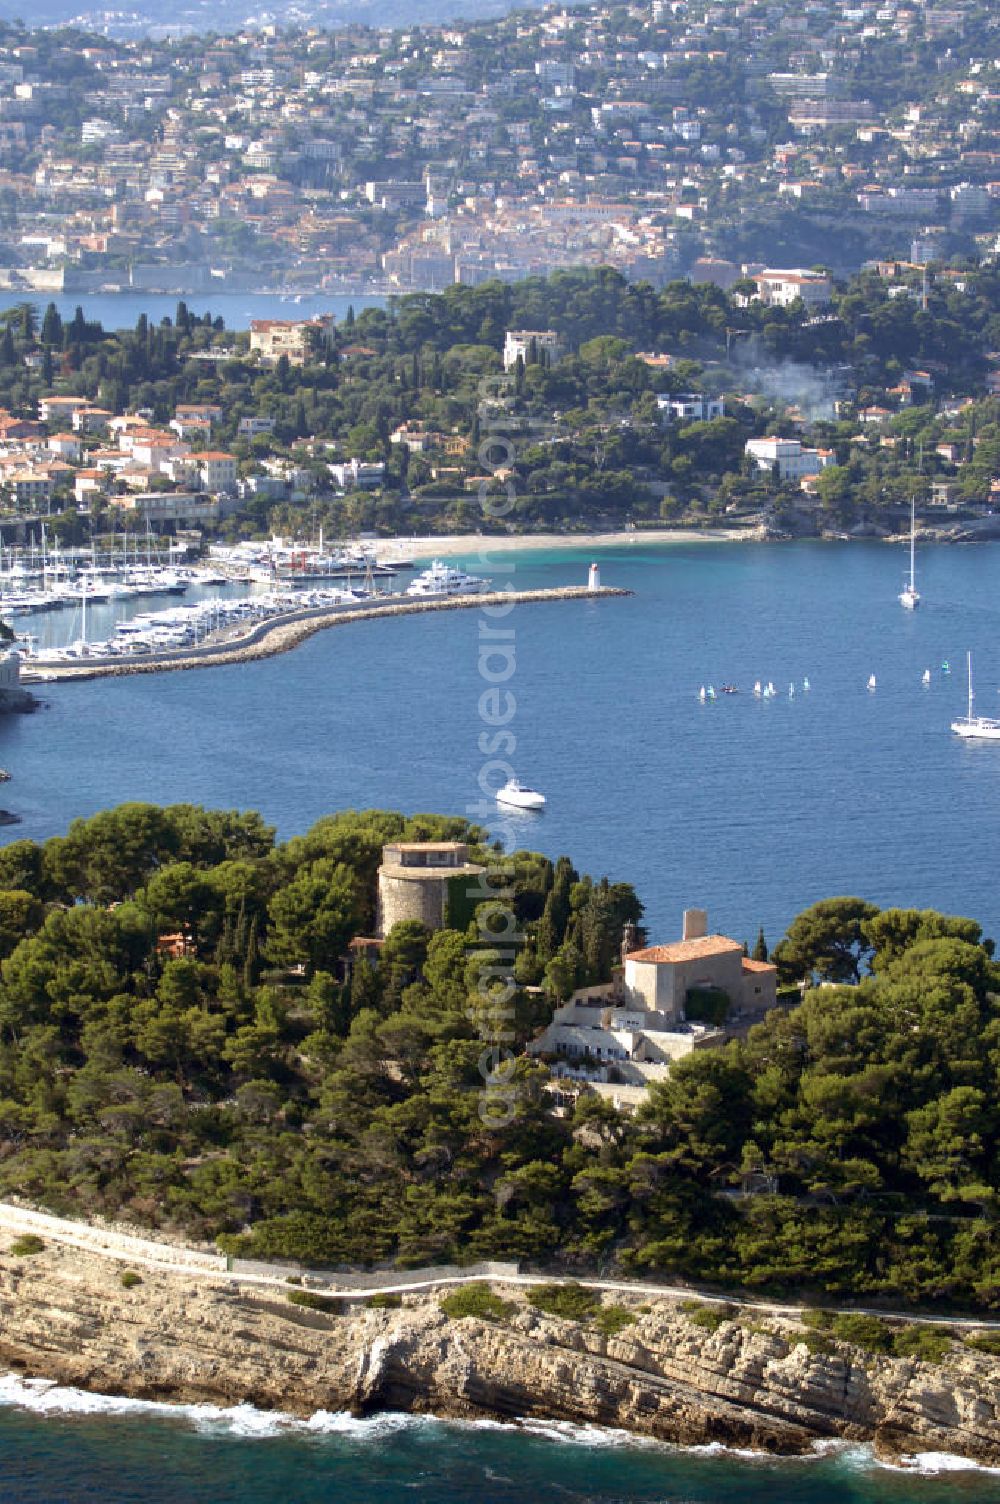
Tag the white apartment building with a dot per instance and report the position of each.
(218, 470)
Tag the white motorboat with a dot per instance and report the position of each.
(442, 579)
(976, 727)
(516, 796)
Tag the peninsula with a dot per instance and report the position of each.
(699, 1194)
(581, 404)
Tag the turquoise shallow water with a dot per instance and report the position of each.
(752, 809)
(211, 1458)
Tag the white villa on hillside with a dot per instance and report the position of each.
(619, 1037)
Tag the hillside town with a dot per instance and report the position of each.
(676, 137)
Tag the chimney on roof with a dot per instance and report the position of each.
(695, 924)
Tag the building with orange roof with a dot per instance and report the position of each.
(660, 978)
(664, 1002)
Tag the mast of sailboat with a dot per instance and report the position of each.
(913, 534)
(969, 657)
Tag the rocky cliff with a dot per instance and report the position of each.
(66, 1315)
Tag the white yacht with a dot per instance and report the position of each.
(516, 796)
(442, 579)
(980, 727)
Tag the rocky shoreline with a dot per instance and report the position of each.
(69, 1316)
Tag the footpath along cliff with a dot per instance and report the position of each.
(67, 1315)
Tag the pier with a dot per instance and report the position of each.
(279, 634)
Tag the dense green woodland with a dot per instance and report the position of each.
(588, 432)
(244, 1090)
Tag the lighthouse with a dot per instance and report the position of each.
(593, 578)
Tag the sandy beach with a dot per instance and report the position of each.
(435, 546)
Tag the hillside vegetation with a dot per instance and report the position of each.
(243, 1090)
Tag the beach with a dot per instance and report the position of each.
(432, 546)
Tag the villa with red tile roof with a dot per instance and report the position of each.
(617, 1038)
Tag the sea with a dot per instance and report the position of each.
(65, 1447)
(751, 808)
(121, 310)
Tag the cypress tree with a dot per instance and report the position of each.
(52, 326)
(760, 952)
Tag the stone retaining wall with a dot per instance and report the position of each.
(92, 1238)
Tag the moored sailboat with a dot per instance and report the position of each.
(979, 727)
(909, 596)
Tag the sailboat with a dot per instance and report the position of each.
(806, 685)
(925, 677)
(757, 689)
(980, 727)
(871, 681)
(909, 595)
(702, 695)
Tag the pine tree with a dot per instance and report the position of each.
(366, 990)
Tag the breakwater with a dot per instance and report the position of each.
(279, 634)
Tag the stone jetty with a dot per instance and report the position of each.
(279, 634)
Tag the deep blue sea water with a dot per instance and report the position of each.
(120, 310)
(752, 809)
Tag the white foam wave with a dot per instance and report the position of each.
(945, 1462)
(570, 1433)
(246, 1422)
(45, 1397)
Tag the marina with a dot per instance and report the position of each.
(259, 628)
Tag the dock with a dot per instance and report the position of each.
(279, 634)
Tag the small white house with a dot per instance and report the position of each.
(690, 407)
(538, 346)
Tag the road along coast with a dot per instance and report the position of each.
(119, 1315)
(279, 634)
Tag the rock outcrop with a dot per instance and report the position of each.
(66, 1315)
